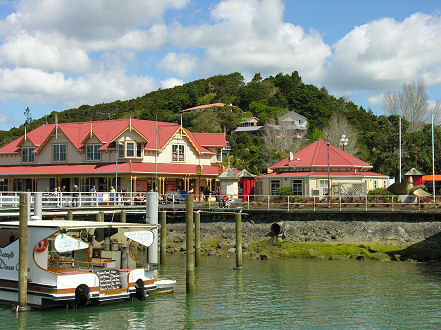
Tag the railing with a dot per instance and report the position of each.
(262, 202)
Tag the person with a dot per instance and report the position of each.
(75, 196)
(225, 200)
(112, 193)
(93, 194)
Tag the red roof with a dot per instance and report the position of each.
(316, 155)
(108, 168)
(206, 106)
(333, 174)
(108, 130)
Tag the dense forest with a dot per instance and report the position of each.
(375, 138)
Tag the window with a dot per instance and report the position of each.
(275, 185)
(3, 184)
(297, 187)
(139, 150)
(375, 184)
(178, 153)
(324, 187)
(93, 152)
(120, 149)
(59, 152)
(27, 155)
(219, 155)
(130, 149)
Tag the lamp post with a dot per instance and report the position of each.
(343, 142)
(328, 142)
(416, 157)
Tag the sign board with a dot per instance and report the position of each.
(65, 243)
(142, 237)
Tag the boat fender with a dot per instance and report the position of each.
(41, 246)
(140, 291)
(82, 295)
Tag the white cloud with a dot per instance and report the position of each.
(5, 118)
(88, 20)
(181, 64)
(39, 86)
(376, 99)
(44, 51)
(384, 53)
(250, 36)
(171, 82)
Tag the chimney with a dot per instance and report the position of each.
(291, 156)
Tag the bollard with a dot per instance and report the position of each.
(197, 238)
(123, 216)
(38, 205)
(70, 215)
(189, 244)
(163, 242)
(238, 241)
(100, 216)
(152, 206)
(23, 254)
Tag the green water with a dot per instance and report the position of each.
(268, 294)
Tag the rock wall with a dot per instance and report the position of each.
(335, 231)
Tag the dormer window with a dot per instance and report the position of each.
(178, 153)
(130, 149)
(59, 152)
(139, 150)
(93, 152)
(120, 149)
(27, 155)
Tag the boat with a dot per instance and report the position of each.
(78, 263)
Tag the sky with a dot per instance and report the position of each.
(60, 54)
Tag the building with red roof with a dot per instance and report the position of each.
(133, 154)
(306, 172)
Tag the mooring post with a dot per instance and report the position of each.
(189, 243)
(123, 216)
(238, 241)
(69, 215)
(163, 242)
(197, 238)
(23, 254)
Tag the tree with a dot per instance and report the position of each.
(279, 140)
(411, 102)
(338, 125)
(28, 116)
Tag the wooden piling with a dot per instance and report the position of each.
(197, 238)
(69, 215)
(163, 241)
(189, 244)
(238, 241)
(123, 216)
(23, 254)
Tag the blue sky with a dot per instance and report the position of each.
(55, 55)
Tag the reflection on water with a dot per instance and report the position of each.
(273, 293)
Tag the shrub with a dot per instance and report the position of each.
(379, 192)
(284, 191)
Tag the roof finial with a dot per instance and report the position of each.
(130, 124)
(56, 126)
(90, 128)
(25, 137)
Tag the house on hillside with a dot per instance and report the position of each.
(249, 126)
(306, 172)
(291, 124)
(142, 155)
